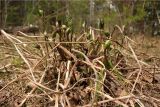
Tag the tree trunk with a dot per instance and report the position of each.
(91, 17)
(2, 13)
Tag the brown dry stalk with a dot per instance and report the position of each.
(70, 75)
(140, 67)
(25, 35)
(67, 52)
(53, 42)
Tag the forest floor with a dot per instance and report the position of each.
(84, 73)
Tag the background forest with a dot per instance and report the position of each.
(136, 15)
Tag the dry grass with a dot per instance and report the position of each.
(80, 72)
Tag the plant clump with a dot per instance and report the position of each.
(61, 68)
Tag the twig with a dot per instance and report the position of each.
(116, 100)
(19, 52)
